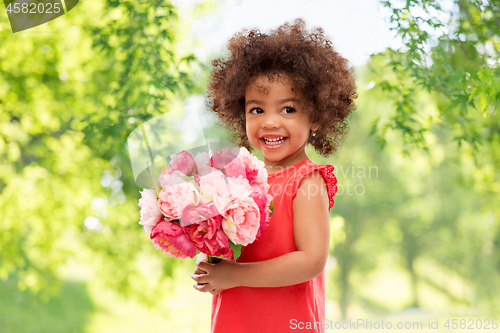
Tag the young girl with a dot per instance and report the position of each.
(278, 92)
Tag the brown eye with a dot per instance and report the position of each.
(256, 111)
(288, 109)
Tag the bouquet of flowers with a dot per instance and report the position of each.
(213, 203)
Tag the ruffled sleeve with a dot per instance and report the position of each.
(327, 173)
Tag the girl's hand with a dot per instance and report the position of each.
(200, 257)
(214, 278)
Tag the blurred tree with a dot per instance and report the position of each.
(68, 101)
(412, 206)
(452, 53)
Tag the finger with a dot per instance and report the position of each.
(203, 287)
(200, 278)
(199, 271)
(203, 265)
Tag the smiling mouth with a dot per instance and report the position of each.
(274, 141)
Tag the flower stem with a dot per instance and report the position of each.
(213, 260)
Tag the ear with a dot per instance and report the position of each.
(314, 127)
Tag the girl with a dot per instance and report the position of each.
(279, 92)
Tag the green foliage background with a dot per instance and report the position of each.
(415, 224)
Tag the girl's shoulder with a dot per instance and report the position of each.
(311, 172)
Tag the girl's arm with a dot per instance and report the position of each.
(311, 232)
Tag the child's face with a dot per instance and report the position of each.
(276, 123)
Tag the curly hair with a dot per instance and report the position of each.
(322, 76)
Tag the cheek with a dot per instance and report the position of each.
(249, 127)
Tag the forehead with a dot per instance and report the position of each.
(263, 83)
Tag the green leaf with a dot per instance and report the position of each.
(236, 249)
(374, 124)
(190, 180)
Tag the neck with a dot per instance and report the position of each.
(289, 161)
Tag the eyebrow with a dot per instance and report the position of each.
(281, 101)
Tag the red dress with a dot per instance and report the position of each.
(274, 310)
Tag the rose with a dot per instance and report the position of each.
(170, 237)
(203, 226)
(150, 212)
(173, 199)
(241, 217)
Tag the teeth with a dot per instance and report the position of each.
(275, 141)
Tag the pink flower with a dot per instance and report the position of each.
(184, 162)
(169, 177)
(235, 168)
(241, 217)
(170, 237)
(246, 165)
(196, 213)
(262, 200)
(203, 226)
(150, 212)
(211, 184)
(216, 184)
(221, 159)
(173, 199)
(203, 164)
(254, 168)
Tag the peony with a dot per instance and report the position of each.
(255, 169)
(150, 212)
(216, 184)
(211, 184)
(183, 162)
(203, 226)
(169, 177)
(262, 200)
(235, 168)
(203, 163)
(207, 203)
(220, 160)
(196, 213)
(173, 199)
(241, 217)
(170, 237)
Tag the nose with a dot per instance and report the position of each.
(270, 120)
